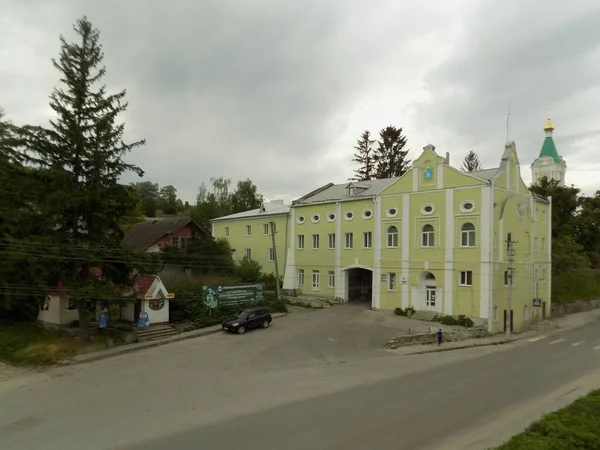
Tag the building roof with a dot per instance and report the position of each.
(144, 282)
(335, 192)
(143, 234)
(486, 174)
(549, 150)
(272, 208)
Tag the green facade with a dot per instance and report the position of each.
(433, 239)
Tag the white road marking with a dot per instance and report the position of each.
(577, 343)
(537, 338)
(597, 347)
(556, 341)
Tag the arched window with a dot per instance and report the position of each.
(467, 235)
(392, 236)
(428, 236)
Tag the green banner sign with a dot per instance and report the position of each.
(234, 294)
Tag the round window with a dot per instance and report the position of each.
(428, 208)
(468, 205)
(331, 217)
(367, 214)
(300, 219)
(349, 215)
(392, 212)
(316, 218)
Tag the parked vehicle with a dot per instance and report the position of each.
(258, 317)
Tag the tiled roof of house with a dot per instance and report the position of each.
(143, 234)
(144, 282)
(273, 208)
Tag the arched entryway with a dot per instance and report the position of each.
(428, 290)
(359, 285)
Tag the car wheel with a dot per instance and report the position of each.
(266, 324)
(241, 330)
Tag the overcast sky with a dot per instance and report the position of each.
(279, 91)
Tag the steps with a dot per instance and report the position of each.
(155, 332)
(426, 316)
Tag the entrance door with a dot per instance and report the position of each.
(430, 297)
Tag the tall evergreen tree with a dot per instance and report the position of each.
(390, 156)
(363, 157)
(471, 163)
(84, 152)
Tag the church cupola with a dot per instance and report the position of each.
(549, 163)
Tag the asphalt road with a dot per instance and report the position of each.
(314, 380)
(416, 411)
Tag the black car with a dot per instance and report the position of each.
(258, 317)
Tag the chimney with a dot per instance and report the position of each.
(447, 158)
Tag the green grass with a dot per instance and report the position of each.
(575, 427)
(28, 344)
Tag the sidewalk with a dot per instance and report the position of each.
(128, 348)
(549, 326)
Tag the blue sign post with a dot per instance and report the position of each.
(102, 320)
(537, 303)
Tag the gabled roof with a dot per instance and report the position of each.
(335, 192)
(143, 234)
(273, 208)
(143, 283)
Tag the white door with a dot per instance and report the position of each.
(430, 298)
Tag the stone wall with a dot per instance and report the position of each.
(562, 309)
(431, 338)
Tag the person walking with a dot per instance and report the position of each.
(440, 336)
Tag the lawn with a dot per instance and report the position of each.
(575, 427)
(28, 344)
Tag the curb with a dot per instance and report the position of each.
(460, 347)
(151, 344)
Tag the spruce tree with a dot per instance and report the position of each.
(471, 163)
(84, 153)
(390, 156)
(363, 157)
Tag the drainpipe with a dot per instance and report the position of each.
(491, 261)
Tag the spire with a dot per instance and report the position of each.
(549, 128)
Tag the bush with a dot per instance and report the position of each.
(400, 312)
(448, 320)
(576, 426)
(465, 321)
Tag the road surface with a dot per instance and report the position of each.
(229, 391)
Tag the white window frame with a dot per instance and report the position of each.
(300, 277)
(330, 217)
(390, 214)
(226, 231)
(464, 209)
(331, 241)
(367, 214)
(427, 213)
(315, 241)
(248, 254)
(349, 239)
(316, 280)
(331, 279)
(348, 215)
(248, 230)
(392, 236)
(428, 236)
(367, 239)
(391, 281)
(315, 218)
(300, 242)
(468, 236)
(271, 254)
(463, 278)
(300, 219)
(265, 229)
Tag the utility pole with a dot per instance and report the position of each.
(272, 225)
(510, 272)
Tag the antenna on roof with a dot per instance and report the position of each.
(508, 125)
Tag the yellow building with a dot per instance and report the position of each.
(249, 234)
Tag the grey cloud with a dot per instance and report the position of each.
(523, 55)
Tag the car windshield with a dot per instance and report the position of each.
(242, 315)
